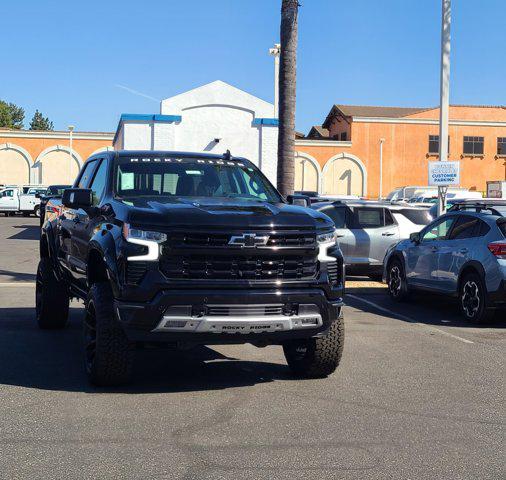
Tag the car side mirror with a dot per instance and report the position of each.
(415, 237)
(37, 195)
(301, 200)
(77, 198)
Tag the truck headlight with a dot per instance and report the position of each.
(147, 238)
(328, 238)
(325, 241)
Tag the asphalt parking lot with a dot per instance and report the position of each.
(419, 395)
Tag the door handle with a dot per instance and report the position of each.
(388, 234)
(464, 250)
(339, 235)
(434, 249)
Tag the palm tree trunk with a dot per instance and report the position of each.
(287, 80)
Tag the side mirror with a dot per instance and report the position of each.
(77, 198)
(301, 200)
(37, 195)
(415, 237)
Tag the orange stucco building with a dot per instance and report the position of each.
(343, 154)
(39, 157)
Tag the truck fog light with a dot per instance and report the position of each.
(175, 323)
(310, 321)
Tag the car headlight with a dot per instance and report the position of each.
(147, 238)
(327, 238)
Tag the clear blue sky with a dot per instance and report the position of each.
(67, 58)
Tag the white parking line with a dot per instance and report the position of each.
(408, 319)
(17, 284)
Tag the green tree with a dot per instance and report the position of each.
(39, 122)
(11, 116)
(287, 79)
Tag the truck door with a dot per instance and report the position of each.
(85, 225)
(9, 200)
(69, 228)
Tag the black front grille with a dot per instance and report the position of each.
(185, 240)
(335, 270)
(135, 271)
(244, 310)
(230, 267)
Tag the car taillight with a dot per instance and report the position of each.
(498, 249)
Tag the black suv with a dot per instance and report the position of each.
(188, 249)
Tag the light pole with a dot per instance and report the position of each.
(275, 52)
(71, 130)
(444, 97)
(380, 196)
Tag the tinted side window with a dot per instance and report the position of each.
(337, 214)
(389, 219)
(438, 230)
(84, 179)
(98, 184)
(484, 229)
(418, 217)
(368, 217)
(500, 224)
(465, 227)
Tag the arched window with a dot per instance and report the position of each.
(344, 174)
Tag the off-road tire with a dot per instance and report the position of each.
(396, 281)
(316, 357)
(51, 298)
(473, 299)
(108, 353)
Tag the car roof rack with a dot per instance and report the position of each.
(478, 206)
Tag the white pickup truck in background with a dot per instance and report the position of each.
(13, 200)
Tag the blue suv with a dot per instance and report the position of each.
(461, 253)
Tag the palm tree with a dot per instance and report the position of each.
(287, 79)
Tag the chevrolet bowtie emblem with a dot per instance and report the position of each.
(248, 240)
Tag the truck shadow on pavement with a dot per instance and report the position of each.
(28, 232)
(17, 276)
(423, 308)
(53, 360)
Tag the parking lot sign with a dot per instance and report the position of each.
(442, 174)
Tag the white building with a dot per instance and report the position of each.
(213, 118)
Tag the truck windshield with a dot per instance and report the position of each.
(164, 178)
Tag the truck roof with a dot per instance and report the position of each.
(160, 153)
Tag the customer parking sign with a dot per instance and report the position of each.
(442, 174)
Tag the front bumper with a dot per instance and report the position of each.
(227, 316)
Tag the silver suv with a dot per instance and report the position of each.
(461, 254)
(366, 229)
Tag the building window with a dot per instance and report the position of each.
(501, 145)
(473, 145)
(344, 136)
(434, 144)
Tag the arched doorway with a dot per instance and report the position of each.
(344, 174)
(15, 163)
(56, 166)
(307, 172)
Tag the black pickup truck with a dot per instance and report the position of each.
(188, 249)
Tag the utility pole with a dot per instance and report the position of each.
(380, 196)
(71, 130)
(444, 97)
(275, 52)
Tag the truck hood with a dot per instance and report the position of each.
(215, 213)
